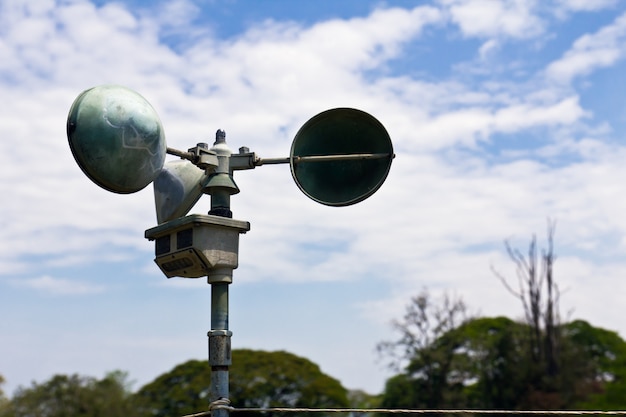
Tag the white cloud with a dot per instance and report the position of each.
(58, 286)
(176, 14)
(495, 18)
(590, 52)
(488, 48)
(368, 42)
(471, 124)
(585, 5)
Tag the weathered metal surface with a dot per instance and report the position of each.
(176, 189)
(330, 140)
(219, 345)
(220, 350)
(294, 159)
(116, 138)
(198, 245)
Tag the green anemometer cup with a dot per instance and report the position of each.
(116, 138)
(341, 156)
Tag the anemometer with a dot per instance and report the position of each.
(338, 158)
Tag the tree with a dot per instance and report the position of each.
(425, 349)
(257, 379)
(539, 294)
(474, 364)
(488, 368)
(3, 398)
(497, 363)
(602, 382)
(363, 400)
(183, 390)
(491, 356)
(73, 396)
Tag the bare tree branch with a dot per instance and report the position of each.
(540, 298)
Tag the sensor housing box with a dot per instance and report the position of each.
(198, 245)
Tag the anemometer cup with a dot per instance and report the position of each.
(341, 157)
(116, 138)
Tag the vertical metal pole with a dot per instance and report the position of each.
(219, 345)
(219, 335)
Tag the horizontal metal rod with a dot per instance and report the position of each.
(322, 158)
(185, 155)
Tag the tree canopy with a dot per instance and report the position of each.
(3, 399)
(484, 364)
(450, 360)
(257, 379)
(72, 396)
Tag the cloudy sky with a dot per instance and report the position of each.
(503, 114)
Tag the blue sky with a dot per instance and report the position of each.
(503, 113)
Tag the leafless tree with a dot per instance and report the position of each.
(539, 294)
(424, 321)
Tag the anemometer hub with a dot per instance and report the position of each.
(339, 157)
